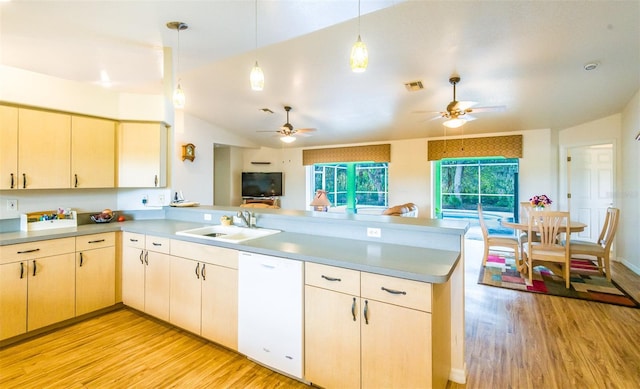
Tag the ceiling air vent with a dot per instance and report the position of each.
(414, 86)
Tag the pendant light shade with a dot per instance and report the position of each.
(257, 78)
(178, 97)
(359, 56)
(178, 94)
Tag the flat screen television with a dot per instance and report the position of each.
(255, 184)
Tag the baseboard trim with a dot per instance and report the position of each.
(458, 376)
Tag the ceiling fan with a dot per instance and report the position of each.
(287, 131)
(458, 112)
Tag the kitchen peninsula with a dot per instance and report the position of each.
(412, 271)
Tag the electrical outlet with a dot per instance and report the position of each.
(374, 232)
(207, 217)
(161, 198)
(12, 205)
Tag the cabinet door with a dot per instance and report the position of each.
(220, 305)
(93, 152)
(332, 338)
(133, 269)
(184, 301)
(396, 347)
(95, 279)
(13, 299)
(51, 290)
(8, 147)
(156, 284)
(142, 151)
(44, 147)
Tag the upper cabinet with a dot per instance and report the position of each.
(92, 152)
(8, 147)
(44, 146)
(142, 155)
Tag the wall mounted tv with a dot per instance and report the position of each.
(256, 184)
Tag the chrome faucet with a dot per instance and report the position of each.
(245, 218)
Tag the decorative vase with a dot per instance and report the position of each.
(539, 208)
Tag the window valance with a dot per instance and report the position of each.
(369, 153)
(505, 146)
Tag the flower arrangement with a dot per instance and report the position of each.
(540, 201)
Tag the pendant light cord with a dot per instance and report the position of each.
(256, 19)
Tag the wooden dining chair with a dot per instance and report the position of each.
(497, 241)
(548, 225)
(602, 248)
(523, 236)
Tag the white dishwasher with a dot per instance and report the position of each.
(270, 311)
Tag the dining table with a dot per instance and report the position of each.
(523, 225)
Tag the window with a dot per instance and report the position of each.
(353, 185)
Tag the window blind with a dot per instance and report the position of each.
(504, 146)
(369, 153)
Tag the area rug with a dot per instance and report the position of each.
(586, 281)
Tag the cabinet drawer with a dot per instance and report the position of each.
(398, 291)
(95, 241)
(41, 249)
(131, 239)
(158, 244)
(333, 278)
(201, 252)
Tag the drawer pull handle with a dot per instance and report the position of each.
(198, 271)
(141, 260)
(133, 240)
(146, 257)
(75, 184)
(28, 251)
(331, 278)
(366, 312)
(353, 309)
(155, 180)
(393, 291)
(24, 181)
(12, 181)
(21, 270)
(81, 259)
(203, 272)
(96, 241)
(157, 244)
(35, 266)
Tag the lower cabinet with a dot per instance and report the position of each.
(37, 285)
(379, 331)
(146, 267)
(95, 272)
(204, 291)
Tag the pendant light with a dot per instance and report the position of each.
(257, 77)
(178, 93)
(359, 55)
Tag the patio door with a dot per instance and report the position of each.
(590, 186)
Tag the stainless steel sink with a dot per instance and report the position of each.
(232, 234)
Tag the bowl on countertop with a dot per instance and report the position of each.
(99, 218)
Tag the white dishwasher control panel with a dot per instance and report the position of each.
(271, 311)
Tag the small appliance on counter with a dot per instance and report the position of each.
(179, 201)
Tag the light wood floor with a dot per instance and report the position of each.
(514, 340)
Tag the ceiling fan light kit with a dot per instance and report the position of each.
(288, 138)
(179, 98)
(287, 131)
(454, 123)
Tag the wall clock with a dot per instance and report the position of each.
(189, 152)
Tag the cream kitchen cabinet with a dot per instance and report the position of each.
(390, 333)
(44, 147)
(38, 285)
(95, 272)
(93, 152)
(204, 291)
(146, 266)
(8, 147)
(142, 155)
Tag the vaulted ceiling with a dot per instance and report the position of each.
(527, 56)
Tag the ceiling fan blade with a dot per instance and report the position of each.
(303, 130)
(464, 105)
(496, 108)
(276, 131)
(468, 117)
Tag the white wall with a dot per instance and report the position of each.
(629, 194)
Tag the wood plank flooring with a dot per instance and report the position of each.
(514, 340)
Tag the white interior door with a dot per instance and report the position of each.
(591, 185)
